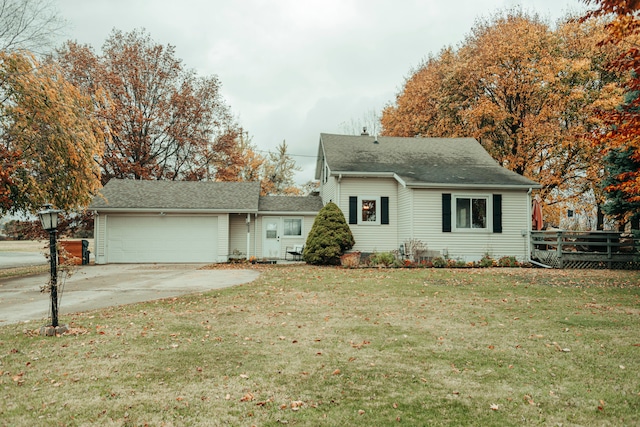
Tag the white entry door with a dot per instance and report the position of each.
(271, 237)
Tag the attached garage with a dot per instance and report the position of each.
(168, 221)
(194, 221)
(161, 238)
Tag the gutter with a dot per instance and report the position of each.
(432, 184)
(476, 186)
(172, 210)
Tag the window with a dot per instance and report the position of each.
(471, 212)
(293, 226)
(369, 210)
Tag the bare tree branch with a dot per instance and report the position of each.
(30, 25)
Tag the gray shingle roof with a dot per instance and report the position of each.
(418, 161)
(290, 204)
(203, 195)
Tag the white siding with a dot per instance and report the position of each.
(100, 227)
(223, 237)
(405, 214)
(328, 191)
(238, 233)
(372, 238)
(471, 245)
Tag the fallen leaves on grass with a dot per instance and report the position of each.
(248, 397)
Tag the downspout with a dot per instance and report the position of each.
(338, 190)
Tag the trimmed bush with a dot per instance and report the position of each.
(383, 258)
(508, 261)
(329, 238)
(439, 262)
(487, 261)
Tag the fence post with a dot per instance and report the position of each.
(559, 249)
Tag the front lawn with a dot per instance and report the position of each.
(308, 346)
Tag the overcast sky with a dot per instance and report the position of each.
(291, 69)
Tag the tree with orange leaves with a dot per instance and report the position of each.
(524, 90)
(621, 124)
(48, 138)
(162, 121)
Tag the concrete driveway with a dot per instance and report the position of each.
(98, 286)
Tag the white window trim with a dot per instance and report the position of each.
(454, 213)
(290, 236)
(378, 210)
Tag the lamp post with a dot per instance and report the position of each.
(49, 220)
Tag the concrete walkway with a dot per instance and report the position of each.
(97, 286)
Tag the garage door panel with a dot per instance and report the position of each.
(132, 239)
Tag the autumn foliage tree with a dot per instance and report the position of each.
(621, 123)
(162, 121)
(48, 138)
(523, 89)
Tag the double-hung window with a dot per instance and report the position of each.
(466, 213)
(471, 213)
(369, 210)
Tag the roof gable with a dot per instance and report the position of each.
(121, 194)
(417, 161)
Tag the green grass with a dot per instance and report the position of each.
(7, 273)
(310, 346)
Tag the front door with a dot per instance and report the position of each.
(271, 237)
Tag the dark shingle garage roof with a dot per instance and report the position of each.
(122, 194)
(417, 161)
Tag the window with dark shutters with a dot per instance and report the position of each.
(497, 213)
(384, 206)
(446, 213)
(353, 209)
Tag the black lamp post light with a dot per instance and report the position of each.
(49, 221)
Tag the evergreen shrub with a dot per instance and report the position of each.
(329, 238)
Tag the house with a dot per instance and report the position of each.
(185, 221)
(447, 193)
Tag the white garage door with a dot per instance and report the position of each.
(141, 239)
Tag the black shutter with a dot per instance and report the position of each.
(384, 206)
(497, 213)
(353, 210)
(446, 213)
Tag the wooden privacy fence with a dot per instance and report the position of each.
(585, 249)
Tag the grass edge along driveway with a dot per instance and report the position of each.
(326, 346)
